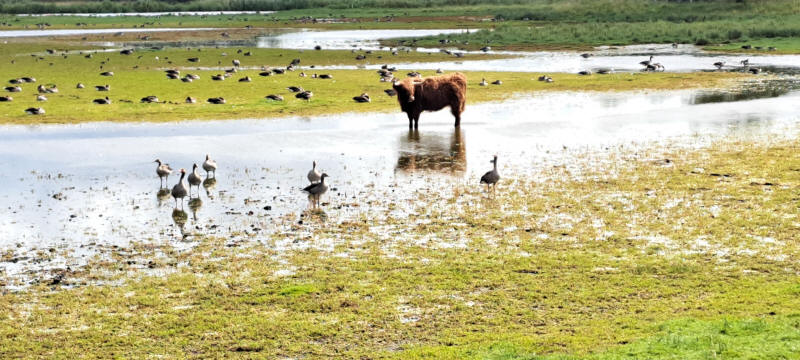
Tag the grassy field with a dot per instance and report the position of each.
(535, 24)
(137, 77)
(632, 253)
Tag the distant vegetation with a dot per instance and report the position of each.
(548, 10)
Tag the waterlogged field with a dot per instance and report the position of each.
(629, 253)
(142, 74)
(639, 215)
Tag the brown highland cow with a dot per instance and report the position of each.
(431, 94)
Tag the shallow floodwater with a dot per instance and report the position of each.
(70, 185)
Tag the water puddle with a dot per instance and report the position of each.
(79, 188)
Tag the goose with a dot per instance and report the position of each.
(295, 62)
(41, 98)
(172, 71)
(245, 79)
(439, 71)
(149, 99)
(217, 100)
(274, 97)
(163, 171)
(107, 73)
(278, 71)
(586, 55)
(194, 180)
(543, 78)
(483, 82)
(186, 79)
(15, 81)
(217, 77)
(674, 45)
(491, 177)
(745, 62)
(360, 57)
(486, 48)
(231, 71)
(236, 63)
(193, 76)
(102, 87)
(497, 82)
(754, 70)
(719, 64)
(126, 52)
(34, 111)
(604, 71)
(193, 59)
(363, 98)
(13, 88)
(390, 92)
(41, 89)
(6, 98)
(265, 73)
(302, 74)
(210, 166)
(249, 53)
(104, 101)
(313, 174)
(305, 95)
(79, 86)
(173, 76)
(179, 190)
(326, 76)
(294, 89)
(190, 100)
(646, 62)
(316, 190)
(414, 74)
(585, 72)
(28, 79)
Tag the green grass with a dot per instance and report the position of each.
(783, 46)
(587, 35)
(136, 78)
(621, 255)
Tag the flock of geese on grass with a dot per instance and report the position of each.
(386, 75)
(315, 189)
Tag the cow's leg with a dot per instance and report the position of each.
(410, 121)
(455, 109)
(416, 122)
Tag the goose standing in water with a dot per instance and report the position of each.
(314, 175)
(179, 190)
(719, 64)
(492, 177)
(210, 166)
(316, 190)
(194, 180)
(646, 62)
(163, 171)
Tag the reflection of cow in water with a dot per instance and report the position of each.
(432, 94)
(432, 152)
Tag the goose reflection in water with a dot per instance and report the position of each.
(194, 205)
(162, 195)
(209, 184)
(432, 152)
(179, 217)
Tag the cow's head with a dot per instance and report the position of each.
(405, 89)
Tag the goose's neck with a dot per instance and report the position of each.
(182, 175)
(495, 164)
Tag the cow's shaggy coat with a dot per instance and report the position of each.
(432, 94)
